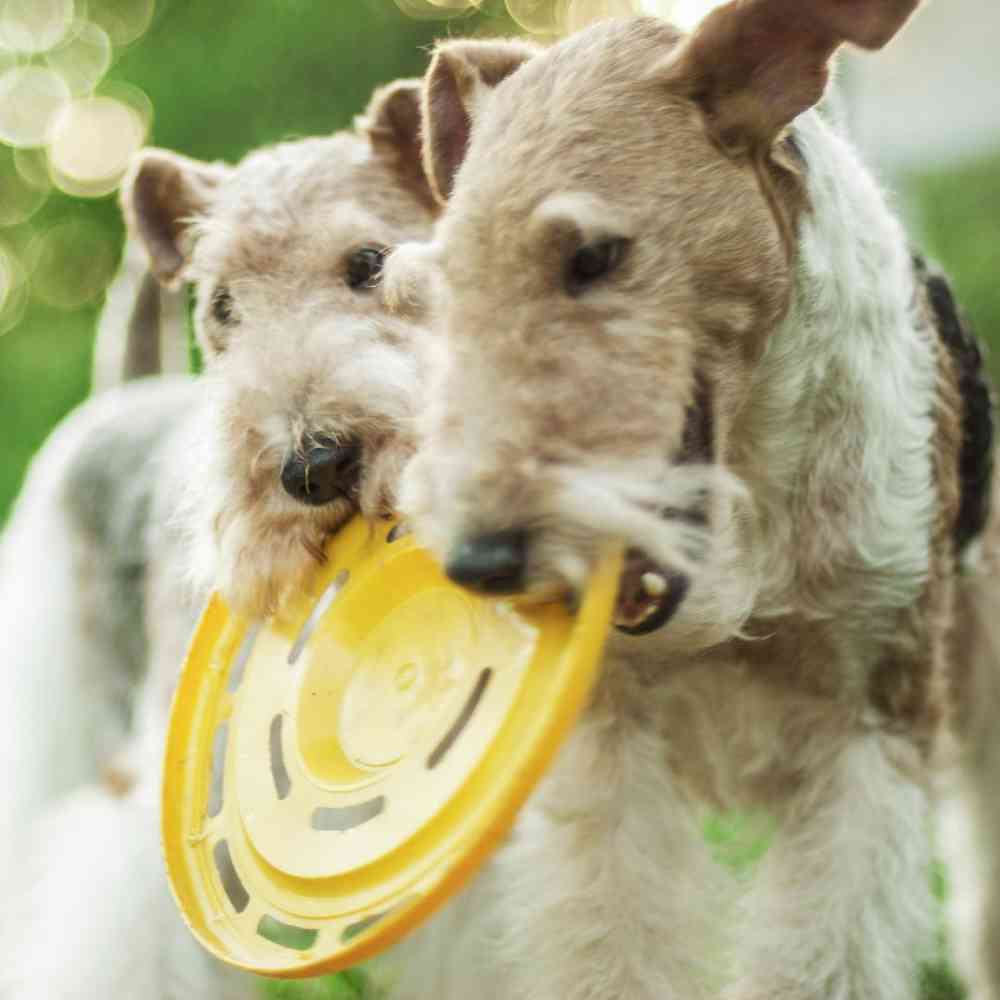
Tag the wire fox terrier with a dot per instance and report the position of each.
(674, 310)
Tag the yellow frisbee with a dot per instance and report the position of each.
(334, 774)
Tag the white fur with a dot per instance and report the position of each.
(848, 346)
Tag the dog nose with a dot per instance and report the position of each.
(492, 563)
(322, 473)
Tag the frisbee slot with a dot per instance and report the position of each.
(343, 818)
(215, 790)
(468, 710)
(246, 648)
(282, 782)
(397, 531)
(322, 606)
(286, 935)
(351, 931)
(232, 885)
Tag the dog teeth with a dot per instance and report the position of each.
(654, 584)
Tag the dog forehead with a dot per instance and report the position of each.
(298, 177)
(303, 204)
(586, 116)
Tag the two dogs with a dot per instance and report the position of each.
(666, 305)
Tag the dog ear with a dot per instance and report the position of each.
(754, 65)
(162, 194)
(460, 75)
(392, 123)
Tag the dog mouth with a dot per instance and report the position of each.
(649, 594)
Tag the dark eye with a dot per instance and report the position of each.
(364, 267)
(592, 262)
(223, 307)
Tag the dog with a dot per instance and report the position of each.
(673, 312)
(156, 491)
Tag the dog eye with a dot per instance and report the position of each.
(364, 267)
(594, 261)
(223, 307)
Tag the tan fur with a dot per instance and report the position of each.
(806, 672)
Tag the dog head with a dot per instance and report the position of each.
(310, 377)
(618, 244)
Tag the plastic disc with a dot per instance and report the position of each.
(334, 774)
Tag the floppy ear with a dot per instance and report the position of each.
(754, 65)
(392, 123)
(460, 75)
(162, 194)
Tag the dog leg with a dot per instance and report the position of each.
(841, 909)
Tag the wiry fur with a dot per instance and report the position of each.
(152, 493)
(806, 672)
(305, 356)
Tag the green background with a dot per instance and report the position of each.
(224, 77)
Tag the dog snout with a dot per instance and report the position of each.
(492, 563)
(323, 472)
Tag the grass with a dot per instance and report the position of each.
(347, 986)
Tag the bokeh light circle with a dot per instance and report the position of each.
(581, 13)
(72, 262)
(138, 100)
(33, 166)
(83, 58)
(539, 17)
(19, 199)
(123, 20)
(554, 18)
(91, 142)
(435, 10)
(684, 13)
(30, 96)
(34, 25)
(13, 289)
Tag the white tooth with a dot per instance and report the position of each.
(654, 584)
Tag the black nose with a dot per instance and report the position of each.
(325, 471)
(493, 563)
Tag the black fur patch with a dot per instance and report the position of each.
(975, 462)
(698, 442)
